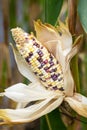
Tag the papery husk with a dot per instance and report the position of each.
(67, 71)
(28, 93)
(78, 103)
(50, 36)
(31, 113)
(23, 67)
(46, 34)
(75, 48)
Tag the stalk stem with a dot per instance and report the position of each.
(72, 20)
(48, 122)
(72, 17)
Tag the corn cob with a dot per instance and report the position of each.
(43, 64)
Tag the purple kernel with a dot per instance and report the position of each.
(40, 53)
(51, 63)
(26, 38)
(61, 89)
(36, 44)
(42, 64)
(55, 88)
(46, 68)
(41, 47)
(54, 70)
(54, 77)
(39, 59)
(48, 71)
(46, 61)
(57, 62)
(51, 71)
(30, 54)
(51, 57)
(40, 67)
(27, 59)
(33, 39)
(35, 73)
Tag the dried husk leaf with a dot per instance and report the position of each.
(26, 93)
(78, 103)
(23, 67)
(31, 113)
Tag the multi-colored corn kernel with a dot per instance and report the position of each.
(41, 62)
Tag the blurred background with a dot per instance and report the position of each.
(22, 13)
(15, 13)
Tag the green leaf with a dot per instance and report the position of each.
(52, 10)
(82, 11)
(12, 12)
(84, 123)
(52, 121)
